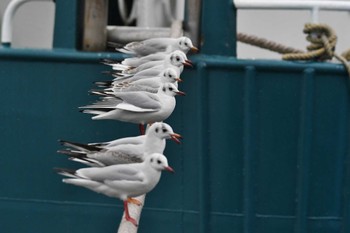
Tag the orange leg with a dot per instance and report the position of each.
(142, 129)
(134, 201)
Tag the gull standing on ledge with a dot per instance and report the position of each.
(123, 181)
(154, 141)
(137, 107)
(155, 45)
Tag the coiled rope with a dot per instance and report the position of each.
(322, 40)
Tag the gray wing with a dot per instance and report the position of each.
(137, 61)
(126, 153)
(128, 140)
(130, 172)
(134, 87)
(149, 46)
(140, 99)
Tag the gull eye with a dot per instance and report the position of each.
(171, 89)
(186, 44)
(170, 76)
(177, 58)
(165, 130)
(159, 162)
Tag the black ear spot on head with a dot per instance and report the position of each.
(163, 89)
(152, 160)
(157, 130)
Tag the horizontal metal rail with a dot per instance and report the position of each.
(313, 6)
(64, 55)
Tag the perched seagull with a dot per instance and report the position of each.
(155, 45)
(99, 156)
(123, 181)
(175, 60)
(166, 74)
(147, 84)
(128, 140)
(137, 61)
(120, 141)
(137, 107)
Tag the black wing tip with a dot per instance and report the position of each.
(114, 45)
(61, 170)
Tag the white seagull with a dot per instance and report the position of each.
(147, 84)
(128, 140)
(120, 141)
(137, 107)
(137, 61)
(175, 60)
(123, 181)
(99, 156)
(155, 45)
(166, 75)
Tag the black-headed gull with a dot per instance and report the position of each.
(151, 84)
(175, 60)
(127, 140)
(137, 61)
(152, 142)
(155, 45)
(168, 73)
(123, 181)
(137, 107)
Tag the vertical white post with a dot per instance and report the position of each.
(7, 20)
(180, 10)
(135, 212)
(149, 13)
(315, 14)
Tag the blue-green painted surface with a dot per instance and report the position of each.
(265, 146)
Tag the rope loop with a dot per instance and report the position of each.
(322, 40)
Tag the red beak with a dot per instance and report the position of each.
(169, 169)
(179, 80)
(194, 49)
(176, 137)
(180, 93)
(188, 63)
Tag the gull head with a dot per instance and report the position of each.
(185, 44)
(159, 162)
(169, 75)
(170, 90)
(163, 131)
(179, 58)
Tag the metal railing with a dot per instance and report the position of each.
(7, 20)
(313, 5)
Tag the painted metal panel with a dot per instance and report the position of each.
(265, 142)
(265, 147)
